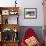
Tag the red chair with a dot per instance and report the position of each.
(29, 33)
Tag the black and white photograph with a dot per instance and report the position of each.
(30, 13)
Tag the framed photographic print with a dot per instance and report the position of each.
(30, 13)
(5, 12)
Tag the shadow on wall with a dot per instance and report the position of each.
(37, 29)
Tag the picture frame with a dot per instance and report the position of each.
(30, 13)
(5, 12)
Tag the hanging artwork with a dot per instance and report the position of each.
(30, 13)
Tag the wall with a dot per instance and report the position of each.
(27, 4)
(32, 4)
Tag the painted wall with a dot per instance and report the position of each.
(32, 22)
(26, 4)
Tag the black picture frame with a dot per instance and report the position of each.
(30, 13)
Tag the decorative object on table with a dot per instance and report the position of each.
(13, 12)
(30, 38)
(15, 3)
(30, 13)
